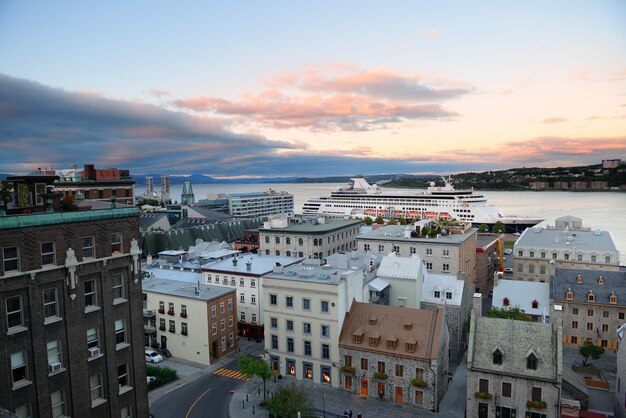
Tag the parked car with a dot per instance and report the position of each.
(508, 251)
(152, 356)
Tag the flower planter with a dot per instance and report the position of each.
(380, 376)
(482, 395)
(537, 404)
(419, 383)
(348, 370)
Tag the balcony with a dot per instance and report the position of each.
(149, 329)
(171, 312)
(149, 313)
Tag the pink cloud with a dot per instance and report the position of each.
(618, 75)
(554, 120)
(430, 33)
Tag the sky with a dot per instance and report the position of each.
(284, 88)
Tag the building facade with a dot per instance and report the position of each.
(590, 305)
(308, 238)
(487, 260)
(195, 322)
(513, 367)
(570, 247)
(71, 326)
(395, 353)
(259, 204)
(245, 275)
(304, 312)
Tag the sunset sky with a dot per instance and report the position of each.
(304, 88)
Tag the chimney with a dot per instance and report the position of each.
(235, 261)
(248, 265)
(477, 304)
(278, 268)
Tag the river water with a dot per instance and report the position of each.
(605, 210)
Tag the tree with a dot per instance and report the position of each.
(379, 220)
(498, 227)
(402, 221)
(288, 401)
(589, 349)
(392, 222)
(483, 228)
(252, 367)
(5, 192)
(367, 220)
(509, 312)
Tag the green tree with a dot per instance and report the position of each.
(498, 227)
(5, 191)
(509, 312)
(288, 401)
(589, 349)
(402, 221)
(483, 228)
(392, 222)
(367, 220)
(379, 220)
(252, 367)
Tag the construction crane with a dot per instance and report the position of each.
(501, 268)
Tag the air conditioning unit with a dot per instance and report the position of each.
(94, 351)
(53, 367)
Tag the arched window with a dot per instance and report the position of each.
(613, 299)
(600, 280)
(579, 279)
(591, 297)
(267, 239)
(535, 304)
(531, 362)
(300, 241)
(505, 301)
(569, 295)
(497, 357)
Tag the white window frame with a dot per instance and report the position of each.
(14, 312)
(116, 243)
(124, 376)
(14, 366)
(60, 402)
(48, 254)
(48, 304)
(117, 287)
(96, 389)
(53, 349)
(94, 292)
(120, 329)
(88, 245)
(15, 259)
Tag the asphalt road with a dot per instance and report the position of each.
(206, 397)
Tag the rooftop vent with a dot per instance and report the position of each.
(372, 320)
(597, 232)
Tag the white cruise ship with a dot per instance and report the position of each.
(363, 199)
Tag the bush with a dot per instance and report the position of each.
(163, 376)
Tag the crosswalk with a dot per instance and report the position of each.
(233, 374)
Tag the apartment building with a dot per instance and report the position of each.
(567, 244)
(195, 322)
(513, 367)
(304, 312)
(590, 305)
(452, 253)
(308, 237)
(244, 274)
(404, 277)
(394, 353)
(69, 322)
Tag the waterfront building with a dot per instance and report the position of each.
(252, 204)
(590, 304)
(305, 306)
(539, 185)
(246, 273)
(532, 297)
(395, 353)
(308, 237)
(613, 163)
(452, 252)
(70, 331)
(487, 260)
(195, 322)
(514, 368)
(567, 244)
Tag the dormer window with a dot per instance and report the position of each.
(531, 362)
(535, 304)
(600, 280)
(579, 279)
(591, 297)
(437, 294)
(410, 347)
(505, 301)
(569, 295)
(613, 299)
(357, 336)
(392, 343)
(373, 341)
(497, 357)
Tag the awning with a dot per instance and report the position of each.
(378, 284)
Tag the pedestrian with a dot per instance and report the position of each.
(350, 414)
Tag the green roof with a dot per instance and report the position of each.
(40, 219)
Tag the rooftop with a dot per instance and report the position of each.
(393, 266)
(260, 265)
(567, 239)
(329, 225)
(185, 290)
(171, 274)
(523, 293)
(397, 233)
(564, 279)
(442, 283)
(315, 274)
(40, 219)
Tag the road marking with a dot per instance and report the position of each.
(233, 374)
(195, 402)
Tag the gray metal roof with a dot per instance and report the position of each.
(396, 233)
(443, 283)
(565, 279)
(146, 220)
(173, 274)
(259, 264)
(185, 290)
(522, 293)
(396, 267)
(311, 273)
(566, 239)
(329, 225)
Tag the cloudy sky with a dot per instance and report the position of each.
(284, 88)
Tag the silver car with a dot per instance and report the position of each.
(152, 356)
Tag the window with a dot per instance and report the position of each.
(274, 342)
(579, 257)
(437, 294)
(531, 362)
(535, 304)
(23, 411)
(446, 253)
(273, 299)
(574, 340)
(274, 322)
(589, 312)
(277, 240)
(223, 343)
(307, 348)
(170, 308)
(542, 269)
(92, 338)
(88, 247)
(396, 249)
(120, 331)
(214, 328)
(399, 370)
(589, 326)
(412, 250)
(290, 345)
(306, 304)
(50, 308)
(122, 376)
(364, 363)
(607, 259)
(593, 258)
(531, 269)
(267, 240)
(242, 298)
(575, 311)
(14, 312)
(324, 306)
(252, 283)
(289, 301)
(300, 241)
(566, 256)
(57, 399)
(506, 389)
(429, 251)
(613, 299)
(591, 297)
(605, 327)
(288, 241)
(497, 357)
(543, 254)
(307, 371)
(306, 328)
(213, 311)
(325, 351)
(253, 319)
(48, 255)
(605, 314)
(325, 371)
(116, 242)
(574, 324)
(223, 322)
(347, 360)
(222, 308)
(267, 252)
(54, 354)
(230, 321)
(289, 325)
(554, 255)
(230, 305)
(448, 295)
(380, 367)
(536, 394)
(483, 385)
(520, 253)
(172, 326)
(429, 266)
(19, 371)
(325, 330)
(531, 254)
(90, 293)
(11, 259)
(604, 343)
(125, 412)
(162, 324)
(419, 397)
(277, 252)
(118, 287)
(381, 248)
(446, 267)
(520, 268)
(569, 295)
(95, 386)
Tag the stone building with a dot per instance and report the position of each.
(513, 367)
(72, 323)
(308, 237)
(590, 305)
(487, 261)
(566, 245)
(395, 353)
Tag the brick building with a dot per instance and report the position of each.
(70, 314)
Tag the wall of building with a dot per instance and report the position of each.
(574, 317)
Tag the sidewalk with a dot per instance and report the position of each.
(188, 372)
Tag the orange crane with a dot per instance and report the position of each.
(501, 269)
